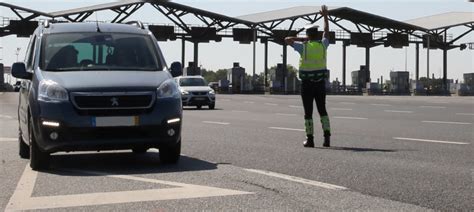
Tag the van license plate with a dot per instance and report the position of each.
(115, 121)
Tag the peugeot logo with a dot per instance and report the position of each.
(114, 101)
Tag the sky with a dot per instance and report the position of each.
(215, 56)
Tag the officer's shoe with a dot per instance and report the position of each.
(309, 141)
(327, 141)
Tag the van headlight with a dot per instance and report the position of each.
(212, 92)
(50, 91)
(168, 89)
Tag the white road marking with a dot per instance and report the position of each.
(8, 139)
(225, 100)
(6, 117)
(295, 106)
(346, 109)
(438, 107)
(297, 179)
(248, 102)
(215, 122)
(286, 114)
(347, 103)
(465, 114)
(381, 105)
(22, 199)
(239, 111)
(288, 129)
(446, 122)
(271, 104)
(431, 141)
(398, 111)
(344, 117)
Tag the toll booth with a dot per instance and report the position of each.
(400, 82)
(223, 85)
(2, 78)
(236, 78)
(467, 88)
(277, 79)
(192, 70)
(359, 78)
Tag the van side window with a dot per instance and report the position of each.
(30, 53)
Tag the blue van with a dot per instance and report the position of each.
(96, 86)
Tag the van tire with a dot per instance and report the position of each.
(23, 147)
(38, 160)
(170, 154)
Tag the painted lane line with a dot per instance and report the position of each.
(431, 141)
(286, 114)
(465, 114)
(225, 100)
(24, 188)
(295, 106)
(239, 111)
(446, 122)
(8, 139)
(22, 199)
(215, 122)
(438, 107)
(381, 105)
(297, 179)
(271, 104)
(343, 109)
(6, 117)
(354, 118)
(398, 111)
(288, 129)
(347, 103)
(249, 102)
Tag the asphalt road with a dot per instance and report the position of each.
(388, 153)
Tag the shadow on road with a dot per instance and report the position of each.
(357, 149)
(122, 163)
(204, 108)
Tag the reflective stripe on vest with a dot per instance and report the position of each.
(313, 56)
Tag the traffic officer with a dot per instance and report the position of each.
(313, 74)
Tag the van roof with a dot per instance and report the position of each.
(92, 27)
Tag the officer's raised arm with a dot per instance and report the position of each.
(324, 12)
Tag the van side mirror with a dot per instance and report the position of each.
(176, 69)
(19, 71)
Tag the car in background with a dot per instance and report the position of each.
(95, 87)
(196, 92)
(214, 85)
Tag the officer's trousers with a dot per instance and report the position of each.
(315, 91)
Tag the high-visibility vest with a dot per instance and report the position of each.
(313, 61)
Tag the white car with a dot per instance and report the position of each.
(196, 92)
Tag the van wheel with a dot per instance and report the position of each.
(24, 148)
(38, 159)
(170, 154)
(212, 106)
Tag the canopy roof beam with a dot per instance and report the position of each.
(125, 11)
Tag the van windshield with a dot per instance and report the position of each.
(98, 51)
(192, 82)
